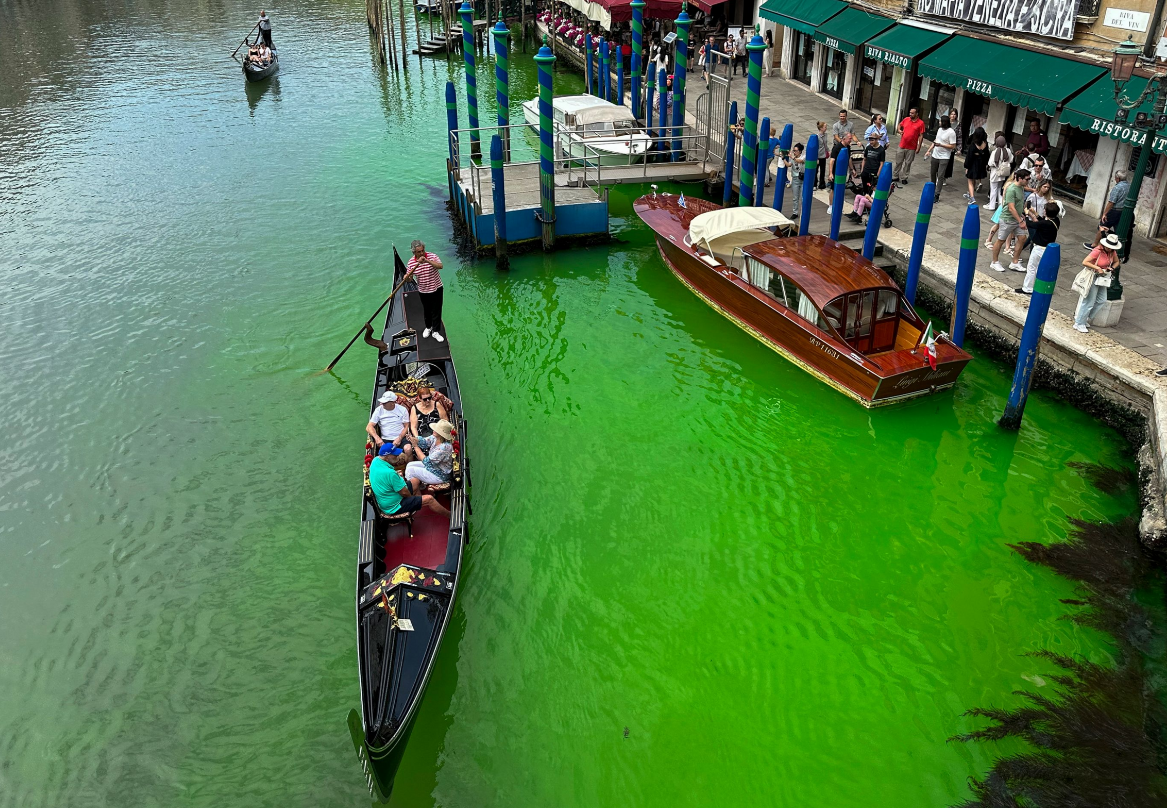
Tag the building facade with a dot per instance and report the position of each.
(1003, 66)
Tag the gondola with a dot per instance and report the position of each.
(407, 569)
(256, 72)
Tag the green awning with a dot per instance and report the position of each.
(848, 31)
(1014, 75)
(801, 15)
(901, 45)
(1093, 110)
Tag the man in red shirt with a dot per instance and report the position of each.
(911, 132)
(424, 267)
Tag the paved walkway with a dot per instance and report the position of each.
(1143, 327)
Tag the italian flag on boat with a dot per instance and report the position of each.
(929, 341)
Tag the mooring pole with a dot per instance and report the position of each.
(875, 215)
(663, 101)
(970, 240)
(812, 163)
(502, 79)
(498, 193)
(451, 126)
(588, 56)
(605, 69)
(637, 54)
(619, 77)
(750, 135)
(649, 88)
(1043, 291)
(681, 58)
(919, 236)
(545, 59)
(466, 12)
(841, 164)
(763, 163)
(730, 147)
(784, 143)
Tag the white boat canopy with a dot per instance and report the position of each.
(589, 109)
(718, 224)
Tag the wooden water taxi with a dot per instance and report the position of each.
(813, 300)
(407, 566)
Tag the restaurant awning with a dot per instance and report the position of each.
(707, 5)
(848, 31)
(801, 15)
(1014, 75)
(621, 10)
(1093, 110)
(902, 45)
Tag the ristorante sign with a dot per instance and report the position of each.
(1053, 18)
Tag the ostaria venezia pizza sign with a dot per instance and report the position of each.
(1052, 18)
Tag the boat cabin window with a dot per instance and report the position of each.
(558, 115)
(624, 126)
(600, 127)
(784, 291)
(867, 320)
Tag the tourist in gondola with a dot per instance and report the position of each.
(265, 28)
(438, 465)
(422, 416)
(390, 423)
(424, 267)
(393, 494)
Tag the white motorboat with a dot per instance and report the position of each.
(593, 130)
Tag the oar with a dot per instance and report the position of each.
(244, 42)
(361, 330)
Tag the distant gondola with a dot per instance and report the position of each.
(257, 72)
(407, 570)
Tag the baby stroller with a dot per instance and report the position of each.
(861, 184)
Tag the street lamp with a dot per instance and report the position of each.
(1122, 67)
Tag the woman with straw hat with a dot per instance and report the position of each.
(438, 464)
(1101, 262)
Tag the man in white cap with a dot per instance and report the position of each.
(390, 423)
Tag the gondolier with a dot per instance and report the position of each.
(424, 267)
(265, 28)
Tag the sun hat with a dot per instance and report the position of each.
(388, 396)
(389, 449)
(1111, 242)
(443, 428)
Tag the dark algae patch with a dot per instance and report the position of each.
(1099, 739)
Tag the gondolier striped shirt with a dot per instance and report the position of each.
(428, 279)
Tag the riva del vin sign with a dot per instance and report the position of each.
(1053, 18)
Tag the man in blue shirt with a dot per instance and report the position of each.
(393, 494)
(1112, 210)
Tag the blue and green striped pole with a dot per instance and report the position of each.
(841, 163)
(750, 135)
(763, 163)
(467, 15)
(545, 59)
(919, 236)
(1043, 291)
(784, 144)
(682, 57)
(588, 57)
(502, 81)
(649, 87)
(966, 270)
(451, 126)
(637, 55)
(812, 164)
(878, 206)
(499, 196)
(663, 100)
(730, 147)
(619, 77)
(605, 69)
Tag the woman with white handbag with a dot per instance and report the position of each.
(1093, 281)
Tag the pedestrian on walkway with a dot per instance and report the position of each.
(954, 122)
(850, 143)
(768, 57)
(874, 156)
(739, 52)
(1112, 210)
(425, 266)
(1037, 166)
(824, 150)
(1012, 222)
(840, 128)
(1043, 231)
(796, 170)
(1041, 195)
(911, 132)
(1101, 262)
(879, 128)
(976, 162)
(1037, 142)
(941, 151)
(1000, 169)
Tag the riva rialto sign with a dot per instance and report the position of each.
(891, 57)
(1054, 18)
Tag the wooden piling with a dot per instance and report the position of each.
(404, 46)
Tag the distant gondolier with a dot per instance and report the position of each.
(265, 28)
(424, 268)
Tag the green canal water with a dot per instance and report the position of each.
(698, 577)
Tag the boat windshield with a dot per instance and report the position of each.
(624, 126)
(602, 127)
